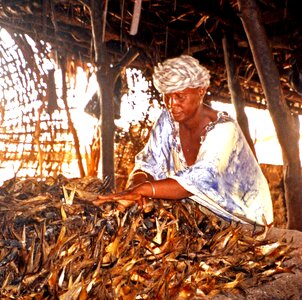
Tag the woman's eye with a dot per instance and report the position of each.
(176, 97)
(181, 97)
(167, 99)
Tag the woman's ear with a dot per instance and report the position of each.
(201, 91)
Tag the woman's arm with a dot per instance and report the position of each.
(164, 189)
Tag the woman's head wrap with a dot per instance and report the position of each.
(177, 74)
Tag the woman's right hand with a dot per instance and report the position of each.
(137, 194)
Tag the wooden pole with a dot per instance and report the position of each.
(106, 85)
(237, 96)
(286, 123)
(70, 123)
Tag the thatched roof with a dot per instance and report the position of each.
(167, 28)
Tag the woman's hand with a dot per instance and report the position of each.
(137, 194)
(125, 198)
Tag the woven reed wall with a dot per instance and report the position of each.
(35, 137)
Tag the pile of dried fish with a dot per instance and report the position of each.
(52, 249)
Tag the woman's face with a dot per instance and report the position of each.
(185, 104)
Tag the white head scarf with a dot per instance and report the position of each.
(177, 74)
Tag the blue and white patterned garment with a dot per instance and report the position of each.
(225, 178)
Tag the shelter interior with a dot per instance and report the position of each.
(44, 38)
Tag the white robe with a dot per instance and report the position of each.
(226, 178)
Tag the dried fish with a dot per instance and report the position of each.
(68, 198)
(172, 250)
(9, 257)
(159, 231)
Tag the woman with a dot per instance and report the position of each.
(197, 152)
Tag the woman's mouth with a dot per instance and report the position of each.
(176, 113)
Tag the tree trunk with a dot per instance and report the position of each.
(106, 87)
(286, 124)
(106, 78)
(237, 96)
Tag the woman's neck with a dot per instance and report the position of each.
(202, 118)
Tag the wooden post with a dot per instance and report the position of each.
(237, 96)
(106, 86)
(286, 123)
